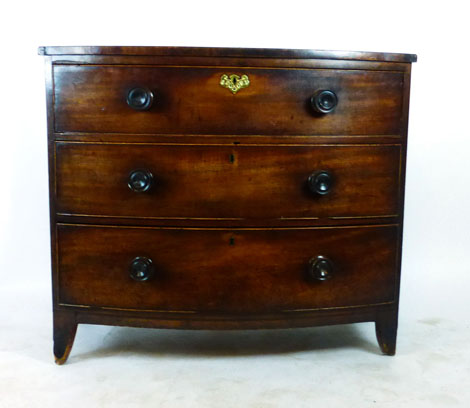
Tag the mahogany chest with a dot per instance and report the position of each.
(224, 188)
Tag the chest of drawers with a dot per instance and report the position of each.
(212, 188)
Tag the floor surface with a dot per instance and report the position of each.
(338, 366)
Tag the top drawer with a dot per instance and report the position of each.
(191, 100)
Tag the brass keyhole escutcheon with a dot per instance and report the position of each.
(234, 82)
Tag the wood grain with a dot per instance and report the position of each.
(191, 100)
(226, 271)
(230, 224)
(241, 182)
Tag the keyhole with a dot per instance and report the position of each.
(232, 158)
(232, 241)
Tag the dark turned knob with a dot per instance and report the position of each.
(320, 182)
(324, 101)
(140, 98)
(140, 180)
(320, 268)
(141, 269)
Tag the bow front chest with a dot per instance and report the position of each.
(219, 188)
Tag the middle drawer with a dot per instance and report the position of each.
(227, 182)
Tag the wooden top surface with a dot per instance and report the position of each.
(228, 52)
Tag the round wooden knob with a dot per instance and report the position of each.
(320, 268)
(140, 180)
(141, 269)
(324, 101)
(140, 98)
(320, 182)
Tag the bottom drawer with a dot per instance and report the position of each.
(238, 271)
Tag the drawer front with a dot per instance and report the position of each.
(189, 100)
(233, 271)
(242, 182)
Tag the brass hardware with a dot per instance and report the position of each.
(234, 82)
